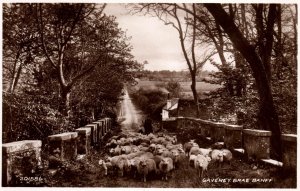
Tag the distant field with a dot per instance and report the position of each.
(186, 86)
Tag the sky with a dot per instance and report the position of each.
(152, 40)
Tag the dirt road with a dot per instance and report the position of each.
(132, 116)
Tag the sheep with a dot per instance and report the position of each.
(201, 163)
(165, 143)
(187, 147)
(166, 153)
(142, 148)
(165, 166)
(133, 155)
(227, 155)
(111, 144)
(192, 158)
(158, 140)
(157, 160)
(134, 148)
(144, 144)
(158, 151)
(151, 136)
(105, 165)
(178, 160)
(133, 165)
(125, 149)
(194, 151)
(152, 147)
(115, 151)
(147, 155)
(217, 156)
(145, 167)
(122, 164)
(174, 153)
(171, 146)
(114, 161)
(205, 152)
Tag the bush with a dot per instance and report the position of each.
(26, 118)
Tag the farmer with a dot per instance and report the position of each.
(148, 126)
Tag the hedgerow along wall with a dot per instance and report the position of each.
(22, 158)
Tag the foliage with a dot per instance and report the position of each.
(70, 68)
(174, 88)
(24, 119)
(150, 102)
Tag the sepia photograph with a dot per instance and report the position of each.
(149, 95)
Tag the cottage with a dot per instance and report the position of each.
(170, 110)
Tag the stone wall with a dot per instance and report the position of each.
(252, 142)
(289, 148)
(22, 158)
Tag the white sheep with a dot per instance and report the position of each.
(152, 147)
(166, 153)
(195, 150)
(145, 167)
(201, 163)
(105, 165)
(192, 158)
(187, 146)
(205, 152)
(146, 155)
(165, 166)
(125, 149)
(134, 148)
(227, 155)
(217, 156)
(122, 165)
(178, 160)
(115, 151)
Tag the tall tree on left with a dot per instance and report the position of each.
(75, 40)
(58, 26)
(20, 47)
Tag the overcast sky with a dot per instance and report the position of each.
(151, 40)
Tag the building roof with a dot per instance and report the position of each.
(174, 104)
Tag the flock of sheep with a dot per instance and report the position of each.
(139, 155)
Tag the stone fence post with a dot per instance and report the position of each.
(257, 143)
(84, 142)
(62, 147)
(289, 149)
(20, 158)
(233, 136)
(93, 128)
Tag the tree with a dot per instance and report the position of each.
(75, 38)
(79, 62)
(268, 117)
(19, 43)
(186, 28)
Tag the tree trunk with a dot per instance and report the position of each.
(65, 100)
(195, 95)
(268, 118)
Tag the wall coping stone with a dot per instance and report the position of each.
(97, 122)
(63, 136)
(20, 145)
(233, 127)
(84, 130)
(257, 132)
(217, 124)
(91, 125)
(289, 137)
